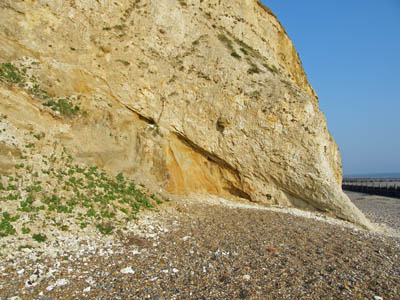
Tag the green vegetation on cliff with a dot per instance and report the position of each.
(59, 193)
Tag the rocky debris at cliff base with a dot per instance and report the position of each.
(220, 252)
(384, 227)
(381, 210)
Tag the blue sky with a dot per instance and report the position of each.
(351, 53)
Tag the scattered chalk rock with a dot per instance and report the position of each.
(128, 270)
(61, 282)
(20, 272)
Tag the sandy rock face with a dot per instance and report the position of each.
(197, 96)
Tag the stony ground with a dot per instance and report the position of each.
(379, 209)
(212, 251)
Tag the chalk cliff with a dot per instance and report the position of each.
(195, 96)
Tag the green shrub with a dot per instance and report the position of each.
(64, 106)
(105, 228)
(6, 227)
(39, 237)
(25, 230)
(11, 74)
(38, 92)
(234, 54)
(89, 196)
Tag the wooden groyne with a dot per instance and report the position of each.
(389, 187)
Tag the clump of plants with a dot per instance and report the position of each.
(63, 194)
(120, 27)
(64, 106)
(271, 68)
(254, 69)
(226, 41)
(235, 55)
(12, 75)
(6, 226)
(38, 237)
(244, 51)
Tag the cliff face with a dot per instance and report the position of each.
(196, 96)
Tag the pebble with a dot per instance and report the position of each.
(50, 287)
(90, 280)
(378, 298)
(86, 290)
(134, 252)
(246, 277)
(61, 282)
(128, 270)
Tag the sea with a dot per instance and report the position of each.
(373, 175)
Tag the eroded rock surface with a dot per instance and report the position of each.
(196, 96)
